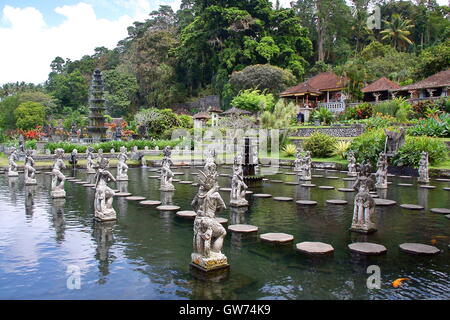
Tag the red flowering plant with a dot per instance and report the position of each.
(33, 134)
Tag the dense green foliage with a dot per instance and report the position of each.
(432, 127)
(29, 115)
(320, 145)
(253, 100)
(323, 115)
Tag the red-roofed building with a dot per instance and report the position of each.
(436, 86)
(379, 90)
(324, 89)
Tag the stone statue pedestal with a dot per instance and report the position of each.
(214, 262)
(305, 178)
(170, 187)
(381, 185)
(122, 178)
(29, 181)
(352, 174)
(362, 228)
(58, 194)
(239, 203)
(13, 174)
(109, 215)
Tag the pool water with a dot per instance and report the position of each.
(145, 254)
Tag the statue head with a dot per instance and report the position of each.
(59, 153)
(167, 151)
(74, 151)
(104, 163)
(123, 149)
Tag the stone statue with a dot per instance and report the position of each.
(238, 187)
(21, 144)
(29, 170)
(351, 164)
(58, 177)
(306, 167)
(381, 174)
(99, 158)
(210, 164)
(74, 158)
(423, 168)
(394, 141)
(104, 195)
(298, 162)
(166, 173)
(122, 167)
(364, 206)
(90, 160)
(12, 165)
(208, 233)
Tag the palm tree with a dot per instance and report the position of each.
(397, 31)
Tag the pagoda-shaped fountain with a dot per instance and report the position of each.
(96, 127)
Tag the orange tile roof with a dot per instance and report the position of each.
(324, 81)
(382, 84)
(440, 79)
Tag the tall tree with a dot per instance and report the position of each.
(397, 31)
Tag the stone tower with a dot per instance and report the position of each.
(96, 127)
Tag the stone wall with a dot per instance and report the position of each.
(335, 131)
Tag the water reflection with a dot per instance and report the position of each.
(13, 185)
(58, 220)
(104, 238)
(423, 197)
(30, 191)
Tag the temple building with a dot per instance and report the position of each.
(379, 90)
(322, 90)
(436, 86)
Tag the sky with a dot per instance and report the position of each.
(34, 32)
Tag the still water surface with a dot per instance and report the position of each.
(145, 254)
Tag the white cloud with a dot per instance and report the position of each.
(28, 44)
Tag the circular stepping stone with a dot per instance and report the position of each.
(334, 178)
(411, 206)
(349, 179)
(248, 192)
(243, 228)
(81, 182)
(405, 177)
(221, 220)
(225, 189)
(290, 173)
(154, 177)
(447, 189)
(440, 210)
(367, 248)
(326, 187)
(308, 185)
(448, 216)
(346, 190)
(427, 187)
(194, 174)
(224, 175)
(390, 175)
(418, 248)
(89, 185)
(317, 176)
(178, 173)
(384, 202)
(405, 184)
(122, 194)
(276, 181)
(186, 214)
(282, 199)
(306, 202)
(168, 207)
(265, 179)
(314, 247)
(176, 180)
(135, 198)
(186, 182)
(320, 169)
(150, 203)
(443, 180)
(262, 195)
(195, 184)
(336, 201)
(292, 183)
(276, 237)
(153, 170)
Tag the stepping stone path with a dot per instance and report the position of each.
(123, 194)
(153, 177)
(195, 184)
(243, 228)
(443, 180)
(418, 248)
(221, 220)
(168, 207)
(224, 175)
(447, 189)
(186, 182)
(349, 179)
(367, 248)
(176, 180)
(405, 177)
(150, 203)
(225, 189)
(81, 182)
(290, 173)
(89, 185)
(277, 237)
(135, 198)
(384, 202)
(306, 202)
(262, 195)
(282, 199)
(334, 178)
(346, 190)
(178, 173)
(390, 175)
(427, 187)
(405, 184)
(153, 170)
(276, 181)
(336, 201)
(292, 183)
(411, 206)
(448, 216)
(440, 210)
(308, 185)
(326, 187)
(314, 247)
(248, 192)
(186, 214)
(317, 176)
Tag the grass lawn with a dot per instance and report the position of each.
(442, 165)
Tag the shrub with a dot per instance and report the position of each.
(398, 108)
(368, 146)
(379, 121)
(361, 111)
(290, 150)
(324, 115)
(29, 115)
(253, 100)
(320, 145)
(341, 148)
(409, 154)
(432, 127)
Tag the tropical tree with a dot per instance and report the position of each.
(397, 31)
(29, 115)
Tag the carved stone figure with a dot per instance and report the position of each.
(351, 164)
(58, 177)
(364, 205)
(210, 164)
(104, 195)
(394, 140)
(29, 170)
(166, 173)
(306, 167)
(423, 168)
(381, 174)
(208, 232)
(90, 160)
(298, 162)
(238, 186)
(99, 158)
(122, 167)
(74, 158)
(12, 165)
